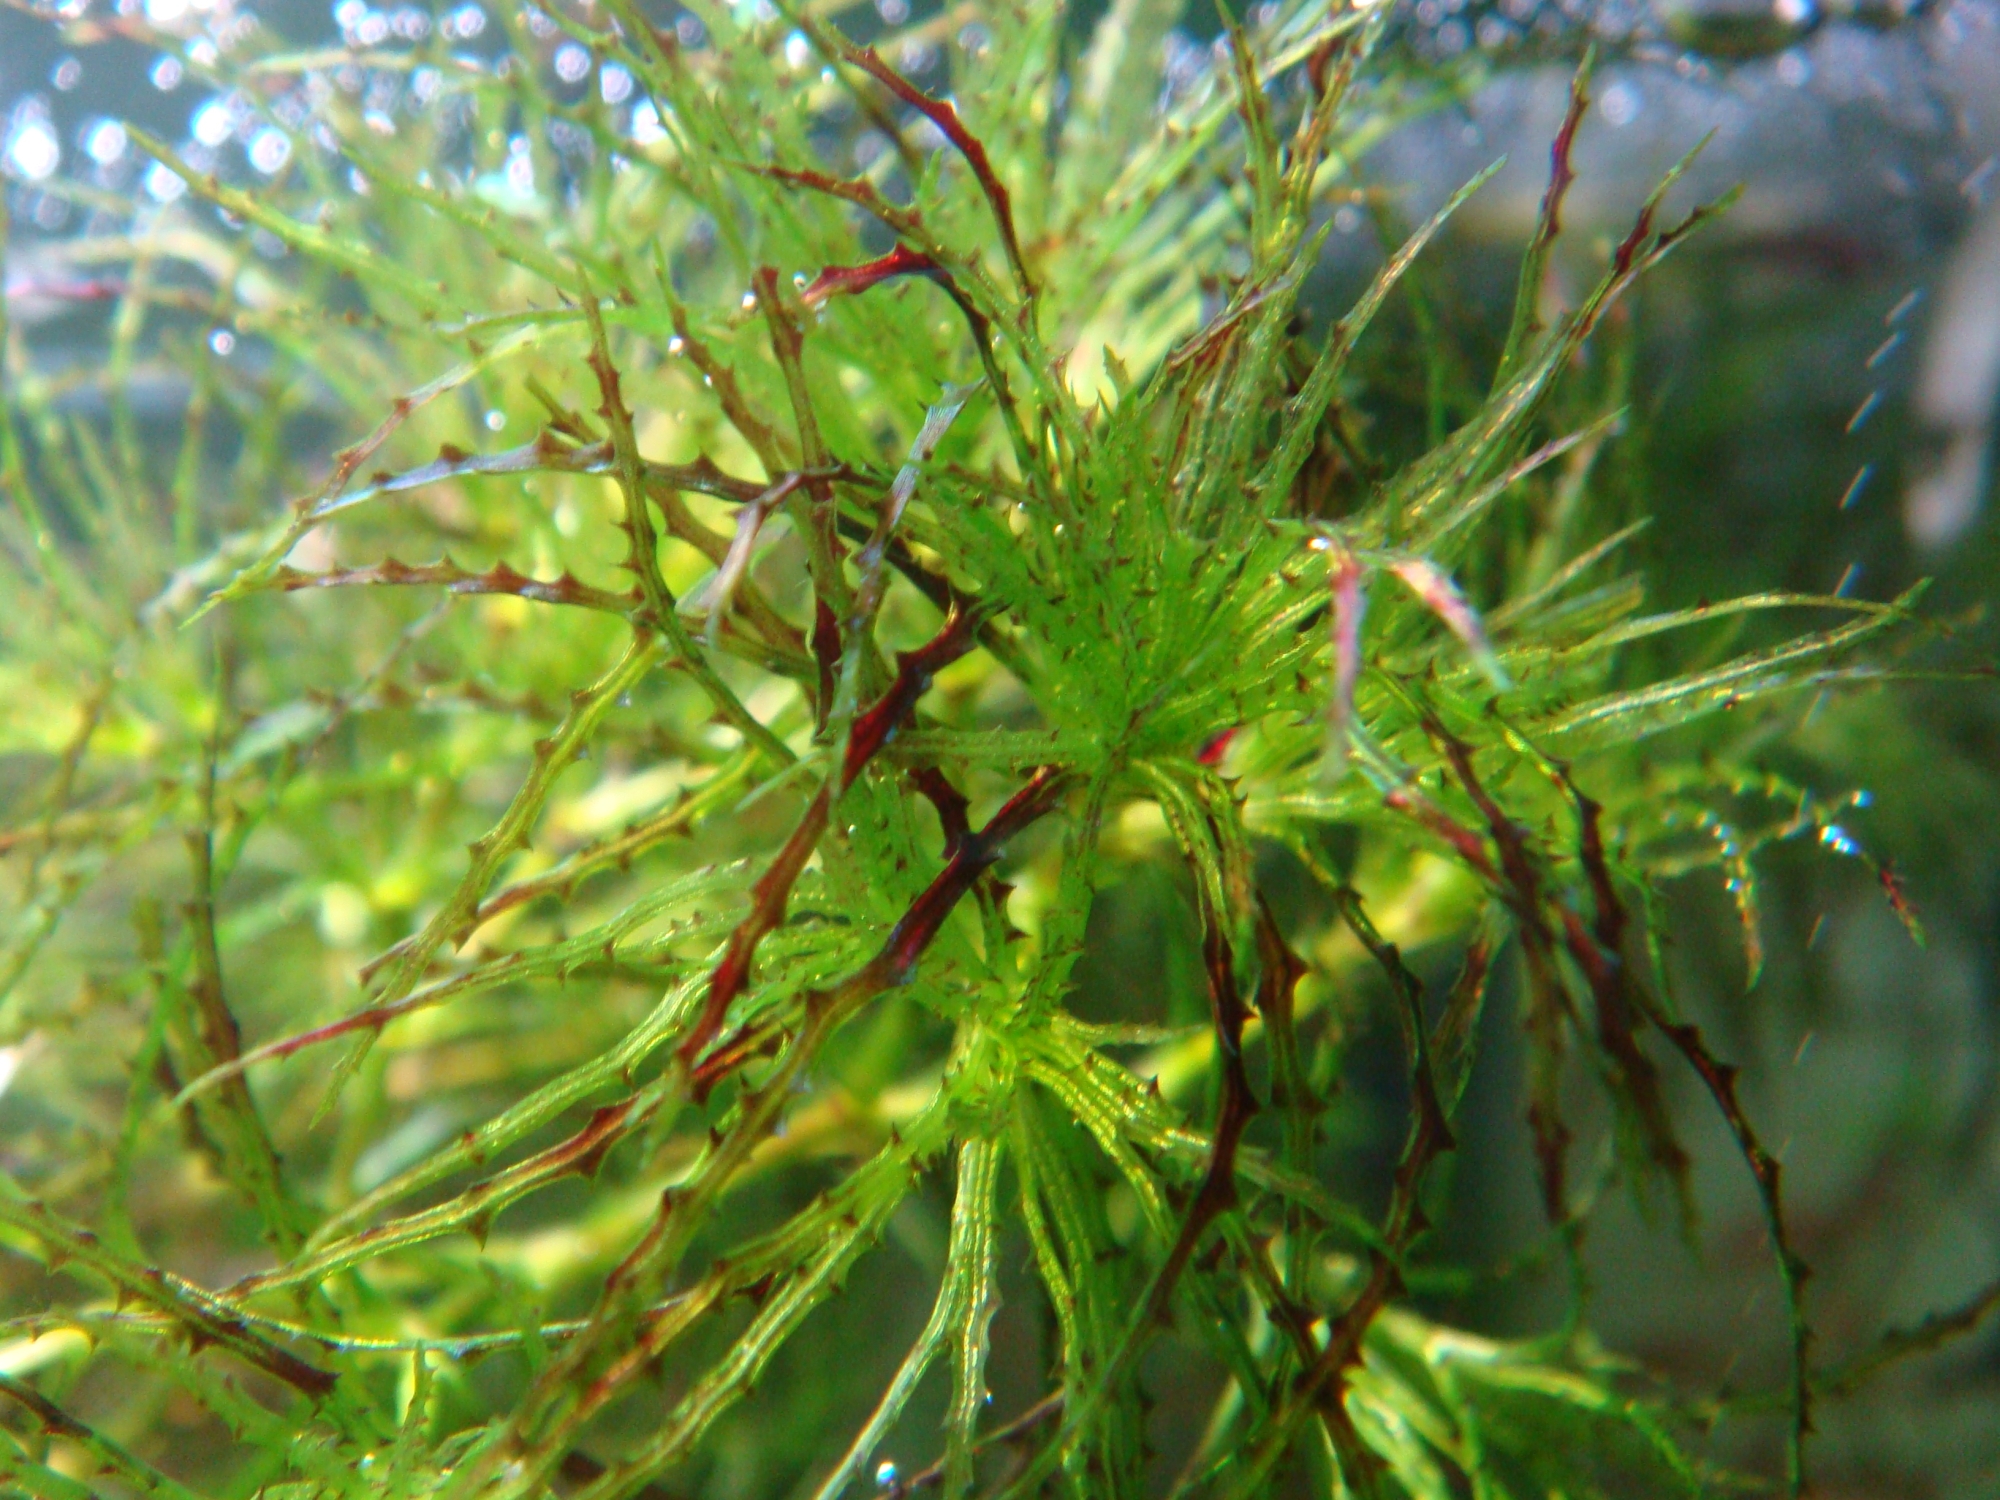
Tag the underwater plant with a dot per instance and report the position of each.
(876, 490)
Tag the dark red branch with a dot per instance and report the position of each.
(914, 671)
(1561, 173)
(769, 897)
(975, 855)
(1548, 1003)
(918, 927)
(1600, 954)
(1464, 842)
(847, 281)
(1217, 1193)
(1429, 1137)
(951, 804)
(942, 114)
(1720, 1079)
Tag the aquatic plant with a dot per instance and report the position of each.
(508, 932)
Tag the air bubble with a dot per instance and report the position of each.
(1619, 105)
(495, 420)
(269, 150)
(105, 142)
(749, 302)
(222, 342)
(646, 126)
(677, 345)
(520, 169)
(163, 184)
(166, 74)
(32, 148)
(572, 62)
(213, 123)
(885, 1472)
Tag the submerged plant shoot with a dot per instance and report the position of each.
(740, 759)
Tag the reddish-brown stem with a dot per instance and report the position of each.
(975, 855)
(896, 960)
(1464, 842)
(768, 898)
(942, 114)
(951, 804)
(1429, 1138)
(1217, 1193)
(1548, 1004)
(838, 281)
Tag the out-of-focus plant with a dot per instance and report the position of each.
(509, 916)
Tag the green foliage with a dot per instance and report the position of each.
(479, 1014)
